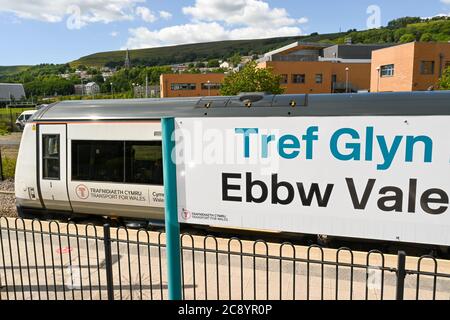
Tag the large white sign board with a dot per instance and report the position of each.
(385, 178)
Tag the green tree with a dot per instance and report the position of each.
(403, 22)
(235, 59)
(251, 79)
(444, 81)
(426, 37)
(408, 37)
(213, 63)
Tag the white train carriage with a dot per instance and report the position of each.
(105, 158)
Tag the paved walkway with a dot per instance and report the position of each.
(12, 139)
(48, 266)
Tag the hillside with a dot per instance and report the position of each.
(10, 70)
(397, 31)
(196, 52)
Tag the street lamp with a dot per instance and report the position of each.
(112, 91)
(209, 88)
(378, 79)
(347, 69)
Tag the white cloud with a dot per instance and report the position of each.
(165, 15)
(114, 34)
(445, 1)
(201, 32)
(240, 12)
(214, 20)
(146, 14)
(84, 11)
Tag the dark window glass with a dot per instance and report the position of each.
(144, 162)
(283, 79)
(387, 70)
(319, 78)
(50, 157)
(183, 86)
(211, 86)
(117, 161)
(427, 67)
(298, 78)
(98, 161)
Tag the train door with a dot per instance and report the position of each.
(53, 166)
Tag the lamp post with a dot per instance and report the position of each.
(209, 88)
(378, 79)
(112, 91)
(347, 69)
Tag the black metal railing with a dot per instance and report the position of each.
(57, 261)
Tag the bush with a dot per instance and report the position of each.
(9, 167)
(3, 129)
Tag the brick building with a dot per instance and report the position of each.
(414, 66)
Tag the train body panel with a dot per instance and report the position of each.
(26, 187)
(92, 168)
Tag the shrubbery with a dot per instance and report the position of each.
(9, 167)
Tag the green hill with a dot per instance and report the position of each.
(397, 31)
(10, 70)
(196, 52)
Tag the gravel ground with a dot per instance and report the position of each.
(7, 202)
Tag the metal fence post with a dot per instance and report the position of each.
(108, 261)
(171, 211)
(401, 275)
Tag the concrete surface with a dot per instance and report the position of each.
(47, 266)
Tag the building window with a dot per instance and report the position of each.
(387, 70)
(183, 86)
(319, 78)
(283, 78)
(211, 86)
(298, 78)
(134, 162)
(427, 67)
(50, 157)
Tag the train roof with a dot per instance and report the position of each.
(252, 105)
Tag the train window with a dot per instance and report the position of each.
(101, 161)
(50, 157)
(143, 162)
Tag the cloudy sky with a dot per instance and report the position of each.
(57, 31)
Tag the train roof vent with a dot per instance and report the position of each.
(250, 99)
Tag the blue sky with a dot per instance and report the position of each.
(59, 31)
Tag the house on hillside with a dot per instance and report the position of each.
(12, 91)
(91, 88)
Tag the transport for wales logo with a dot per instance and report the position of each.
(82, 192)
(186, 214)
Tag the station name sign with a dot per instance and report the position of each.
(385, 178)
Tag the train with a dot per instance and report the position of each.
(104, 157)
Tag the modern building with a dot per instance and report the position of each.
(190, 85)
(321, 68)
(11, 91)
(415, 66)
